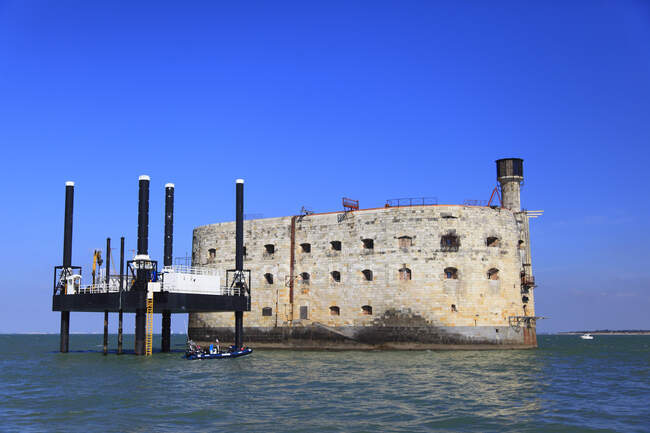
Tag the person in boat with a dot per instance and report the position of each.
(217, 345)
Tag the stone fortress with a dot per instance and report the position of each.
(397, 277)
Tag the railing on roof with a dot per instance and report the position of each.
(411, 201)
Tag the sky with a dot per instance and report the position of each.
(313, 101)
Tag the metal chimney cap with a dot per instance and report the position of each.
(169, 185)
(239, 181)
(144, 177)
(69, 183)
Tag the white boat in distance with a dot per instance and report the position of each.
(587, 337)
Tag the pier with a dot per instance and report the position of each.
(142, 288)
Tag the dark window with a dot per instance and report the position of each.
(451, 273)
(336, 276)
(335, 311)
(267, 311)
(268, 278)
(269, 248)
(492, 241)
(306, 248)
(304, 312)
(404, 274)
(493, 274)
(304, 278)
(520, 244)
(405, 241)
(244, 250)
(366, 310)
(212, 253)
(367, 273)
(453, 308)
(336, 245)
(449, 243)
(524, 299)
(368, 244)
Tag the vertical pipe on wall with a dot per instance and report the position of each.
(67, 261)
(167, 261)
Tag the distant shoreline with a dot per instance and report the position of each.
(640, 332)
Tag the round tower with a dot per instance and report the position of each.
(510, 174)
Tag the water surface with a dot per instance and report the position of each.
(566, 385)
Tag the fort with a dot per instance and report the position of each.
(409, 275)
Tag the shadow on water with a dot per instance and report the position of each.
(565, 385)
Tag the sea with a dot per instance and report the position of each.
(566, 385)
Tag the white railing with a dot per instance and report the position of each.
(193, 270)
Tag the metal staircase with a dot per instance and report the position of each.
(148, 342)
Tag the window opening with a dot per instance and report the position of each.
(336, 276)
(449, 243)
(366, 310)
(367, 273)
(405, 274)
(451, 273)
(493, 274)
(268, 278)
(306, 248)
(453, 308)
(304, 278)
(336, 245)
(335, 311)
(405, 241)
(368, 244)
(267, 311)
(269, 249)
(492, 241)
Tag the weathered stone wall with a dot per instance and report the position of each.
(481, 306)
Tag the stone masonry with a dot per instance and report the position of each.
(404, 277)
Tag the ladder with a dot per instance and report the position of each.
(148, 342)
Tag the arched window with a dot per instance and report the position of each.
(520, 244)
(524, 299)
(335, 311)
(306, 248)
(212, 254)
(269, 249)
(367, 274)
(405, 274)
(449, 243)
(336, 276)
(336, 245)
(366, 310)
(304, 278)
(451, 273)
(405, 241)
(493, 274)
(368, 244)
(267, 311)
(492, 241)
(453, 308)
(269, 278)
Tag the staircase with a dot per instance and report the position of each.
(148, 342)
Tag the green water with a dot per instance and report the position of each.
(566, 385)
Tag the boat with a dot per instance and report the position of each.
(587, 337)
(194, 351)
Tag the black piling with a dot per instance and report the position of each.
(119, 318)
(67, 260)
(108, 279)
(167, 261)
(142, 274)
(239, 256)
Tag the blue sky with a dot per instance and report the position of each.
(312, 101)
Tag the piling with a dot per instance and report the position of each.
(67, 261)
(141, 273)
(239, 256)
(108, 280)
(119, 317)
(167, 261)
